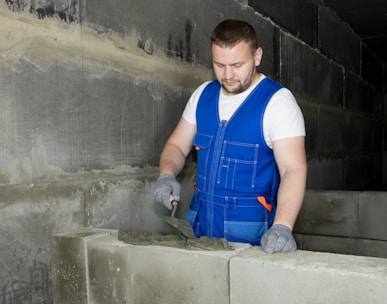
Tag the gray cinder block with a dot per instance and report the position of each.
(69, 265)
(125, 273)
(306, 277)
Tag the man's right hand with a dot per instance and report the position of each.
(166, 185)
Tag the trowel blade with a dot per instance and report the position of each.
(182, 225)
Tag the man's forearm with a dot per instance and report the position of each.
(172, 160)
(290, 197)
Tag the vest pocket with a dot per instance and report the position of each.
(238, 166)
(202, 144)
(246, 223)
(245, 232)
(192, 213)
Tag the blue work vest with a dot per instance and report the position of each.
(235, 166)
(237, 178)
(233, 158)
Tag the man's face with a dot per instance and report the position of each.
(235, 67)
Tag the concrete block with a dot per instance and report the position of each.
(321, 85)
(338, 41)
(69, 265)
(356, 145)
(335, 131)
(306, 277)
(29, 215)
(268, 39)
(360, 96)
(363, 172)
(298, 17)
(371, 143)
(372, 215)
(330, 213)
(372, 67)
(325, 174)
(373, 248)
(124, 273)
(332, 244)
(311, 124)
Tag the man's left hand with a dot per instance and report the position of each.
(278, 238)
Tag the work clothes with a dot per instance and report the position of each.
(237, 178)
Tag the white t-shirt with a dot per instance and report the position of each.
(282, 118)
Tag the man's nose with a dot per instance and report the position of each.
(228, 72)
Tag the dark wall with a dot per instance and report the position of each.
(339, 85)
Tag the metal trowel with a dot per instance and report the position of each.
(182, 225)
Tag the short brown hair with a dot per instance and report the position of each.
(230, 32)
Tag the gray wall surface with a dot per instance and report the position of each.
(108, 93)
(90, 91)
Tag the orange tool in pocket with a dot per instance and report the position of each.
(263, 202)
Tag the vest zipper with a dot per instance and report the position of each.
(214, 171)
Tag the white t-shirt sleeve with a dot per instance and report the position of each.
(189, 113)
(283, 117)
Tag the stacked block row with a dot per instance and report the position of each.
(347, 222)
(93, 266)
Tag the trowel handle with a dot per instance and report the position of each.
(174, 204)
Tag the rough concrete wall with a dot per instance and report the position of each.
(37, 211)
(347, 222)
(340, 86)
(78, 98)
(93, 266)
(94, 88)
(107, 94)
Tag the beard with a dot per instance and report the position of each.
(238, 86)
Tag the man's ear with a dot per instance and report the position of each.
(258, 56)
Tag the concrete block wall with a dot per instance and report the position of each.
(75, 109)
(105, 270)
(156, 274)
(31, 213)
(111, 88)
(102, 269)
(340, 86)
(346, 222)
(306, 277)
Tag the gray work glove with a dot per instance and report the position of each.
(278, 238)
(166, 185)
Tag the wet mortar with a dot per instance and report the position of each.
(178, 241)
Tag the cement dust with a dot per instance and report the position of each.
(42, 42)
(170, 240)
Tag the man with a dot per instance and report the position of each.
(249, 135)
